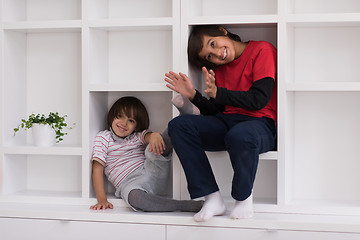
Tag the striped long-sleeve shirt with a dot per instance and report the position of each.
(120, 157)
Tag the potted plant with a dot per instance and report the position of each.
(46, 130)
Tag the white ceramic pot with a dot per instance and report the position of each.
(43, 135)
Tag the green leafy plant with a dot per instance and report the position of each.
(53, 119)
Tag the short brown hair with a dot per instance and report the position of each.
(195, 43)
(131, 107)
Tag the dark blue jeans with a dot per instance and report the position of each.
(243, 137)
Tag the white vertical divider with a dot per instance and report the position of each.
(176, 66)
(183, 67)
(86, 168)
(281, 104)
(1, 100)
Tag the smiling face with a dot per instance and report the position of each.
(127, 115)
(218, 50)
(123, 125)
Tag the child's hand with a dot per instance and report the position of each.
(102, 205)
(211, 88)
(156, 142)
(180, 83)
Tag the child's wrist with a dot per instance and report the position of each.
(102, 199)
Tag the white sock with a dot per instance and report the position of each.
(184, 105)
(213, 206)
(243, 209)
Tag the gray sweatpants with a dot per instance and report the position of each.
(152, 177)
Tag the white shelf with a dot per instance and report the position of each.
(323, 6)
(272, 155)
(212, 8)
(323, 20)
(324, 86)
(106, 24)
(128, 87)
(33, 150)
(133, 23)
(44, 26)
(114, 9)
(243, 19)
(46, 197)
(266, 221)
(324, 207)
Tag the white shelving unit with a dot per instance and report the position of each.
(74, 57)
(78, 56)
(41, 72)
(319, 85)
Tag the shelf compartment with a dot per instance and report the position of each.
(112, 51)
(42, 73)
(229, 7)
(324, 6)
(322, 44)
(158, 105)
(265, 185)
(23, 175)
(324, 146)
(41, 10)
(265, 188)
(112, 9)
(257, 32)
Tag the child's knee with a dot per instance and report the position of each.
(136, 198)
(173, 125)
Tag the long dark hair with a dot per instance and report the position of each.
(195, 43)
(131, 107)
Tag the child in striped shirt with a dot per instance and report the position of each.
(135, 160)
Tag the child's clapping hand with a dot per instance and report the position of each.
(211, 88)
